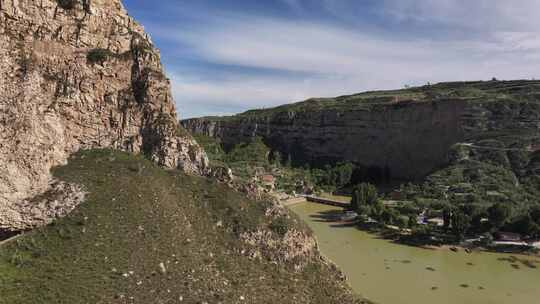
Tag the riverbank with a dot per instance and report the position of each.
(440, 240)
(479, 249)
(409, 240)
(373, 265)
(405, 236)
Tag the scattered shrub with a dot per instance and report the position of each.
(98, 56)
(280, 225)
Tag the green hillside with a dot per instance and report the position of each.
(147, 235)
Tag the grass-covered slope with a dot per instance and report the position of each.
(146, 235)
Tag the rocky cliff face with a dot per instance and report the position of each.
(405, 134)
(77, 74)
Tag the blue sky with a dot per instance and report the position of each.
(227, 56)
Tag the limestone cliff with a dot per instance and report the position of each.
(78, 74)
(406, 134)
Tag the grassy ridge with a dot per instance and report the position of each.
(146, 235)
(516, 90)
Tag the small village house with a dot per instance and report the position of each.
(436, 221)
(268, 181)
(507, 237)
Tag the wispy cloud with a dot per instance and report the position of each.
(282, 60)
(480, 15)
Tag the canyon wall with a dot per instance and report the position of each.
(407, 139)
(79, 74)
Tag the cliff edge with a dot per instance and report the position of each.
(402, 134)
(78, 74)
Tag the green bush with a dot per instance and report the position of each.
(255, 151)
(280, 226)
(98, 56)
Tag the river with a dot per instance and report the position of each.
(389, 273)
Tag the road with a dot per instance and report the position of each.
(494, 148)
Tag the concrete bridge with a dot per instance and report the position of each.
(326, 201)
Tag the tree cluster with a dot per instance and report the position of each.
(527, 223)
(469, 218)
(365, 201)
(337, 176)
(255, 151)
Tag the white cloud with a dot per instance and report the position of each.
(481, 15)
(504, 43)
(196, 97)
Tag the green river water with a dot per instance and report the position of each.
(389, 273)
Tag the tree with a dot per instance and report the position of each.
(476, 213)
(525, 225)
(535, 230)
(528, 224)
(412, 221)
(390, 216)
(386, 216)
(535, 214)
(422, 232)
(364, 195)
(364, 209)
(276, 158)
(400, 221)
(498, 214)
(460, 223)
(447, 216)
(377, 209)
(355, 204)
(344, 174)
(288, 164)
(369, 193)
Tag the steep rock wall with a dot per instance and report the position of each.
(74, 75)
(407, 140)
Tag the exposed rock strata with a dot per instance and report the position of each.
(57, 99)
(58, 201)
(407, 139)
(293, 245)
